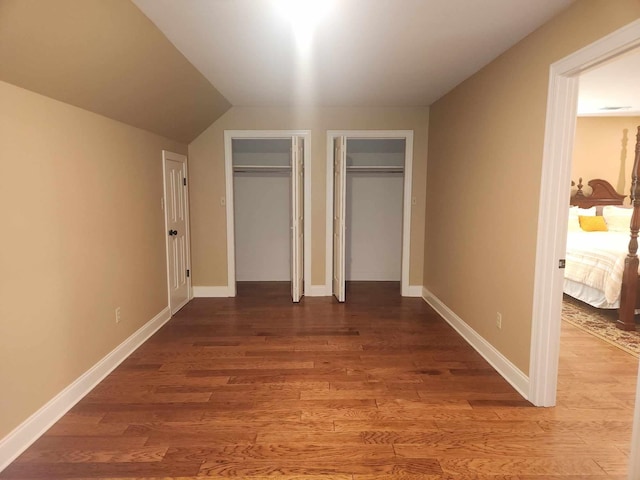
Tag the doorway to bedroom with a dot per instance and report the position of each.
(611, 372)
(608, 116)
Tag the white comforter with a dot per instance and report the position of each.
(596, 259)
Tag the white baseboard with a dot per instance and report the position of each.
(221, 291)
(502, 365)
(413, 291)
(224, 291)
(325, 291)
(319, 291)
(32, 428)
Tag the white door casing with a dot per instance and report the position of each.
(339, 214)
(407, 135)
(297, 218)
(176, 207)
(304, 253)
(552, 224)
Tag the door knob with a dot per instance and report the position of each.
(173, 232)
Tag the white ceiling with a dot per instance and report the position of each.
(364, 52)
(615, 84)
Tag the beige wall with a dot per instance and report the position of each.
(83, 234)
(483, 180)
(107, 57)
(206, 157)
(604, 148)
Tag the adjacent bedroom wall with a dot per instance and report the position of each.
(83, 233)
(109, 58)
(604, 148)
(206, 157)
(483, 178)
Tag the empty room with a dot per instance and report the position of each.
(304, 239)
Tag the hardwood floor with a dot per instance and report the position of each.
(380, 387)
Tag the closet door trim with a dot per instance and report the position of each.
(407, 135)
(227, 200)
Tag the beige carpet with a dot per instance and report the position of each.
(600, 323)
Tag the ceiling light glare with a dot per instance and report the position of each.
(304, 16)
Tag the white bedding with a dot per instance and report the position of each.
(596, 260)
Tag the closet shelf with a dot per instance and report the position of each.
(375, 168)
(262, 168)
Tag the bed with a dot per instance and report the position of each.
(601, 266)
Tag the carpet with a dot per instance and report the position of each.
(600, 323)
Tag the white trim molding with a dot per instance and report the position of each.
(319, 291)
(213, 292)
(37, 424)
(552, 224)
(407, 135)
(499, 362)
(413, 291)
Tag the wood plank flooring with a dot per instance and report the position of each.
(377, 388)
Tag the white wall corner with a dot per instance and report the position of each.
(212, 292)
(499, 362)
(37, 424)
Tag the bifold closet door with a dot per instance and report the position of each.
(297, 219)
(339, 214)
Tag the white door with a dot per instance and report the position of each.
(339, 214)
(297, 218)
(176, 222)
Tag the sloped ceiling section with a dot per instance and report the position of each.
(106, 56)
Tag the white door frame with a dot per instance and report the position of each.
(167, 155)
(229, 135)
(407, 136)
(552, 223)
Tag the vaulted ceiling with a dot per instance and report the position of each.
(348, 53)
(174, 66)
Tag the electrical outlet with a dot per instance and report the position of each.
(499, 320)
(118, 315)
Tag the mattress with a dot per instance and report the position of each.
(594, 266)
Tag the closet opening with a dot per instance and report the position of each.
(370, 185)
(265, 213)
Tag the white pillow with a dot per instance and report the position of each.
(618, 218)
(575, 212)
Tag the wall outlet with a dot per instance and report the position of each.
(118, 315)
(499, 320)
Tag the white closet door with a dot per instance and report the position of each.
(339, 214)
(297, 218)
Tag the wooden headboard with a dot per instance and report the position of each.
(603, 194)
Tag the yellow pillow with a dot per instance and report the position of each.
(593, 223)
